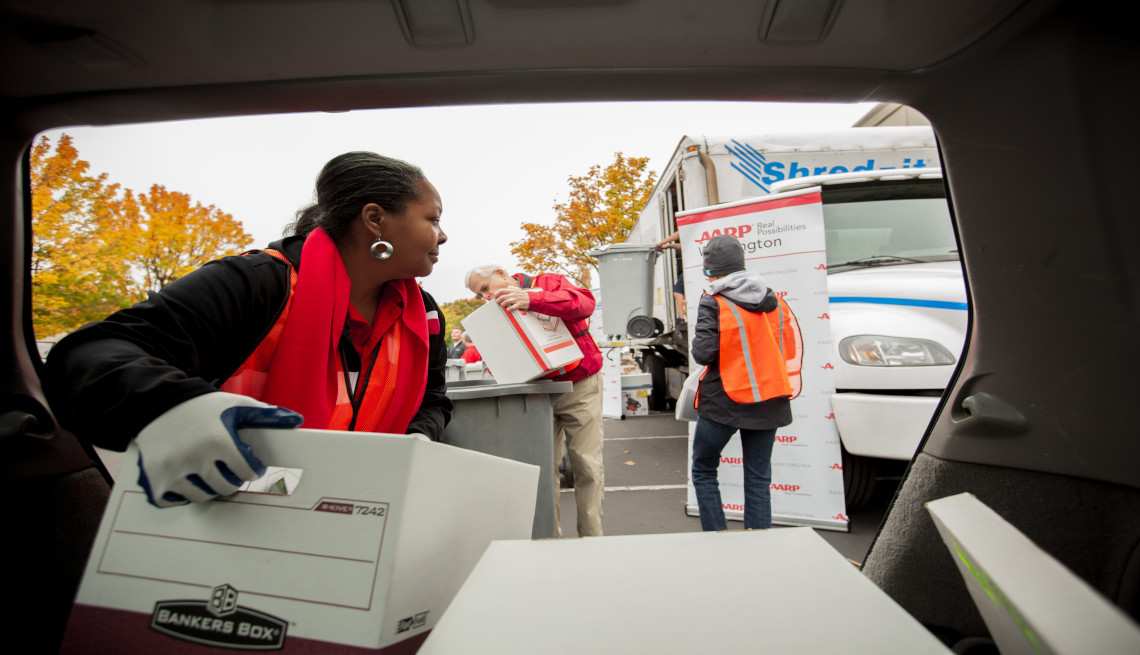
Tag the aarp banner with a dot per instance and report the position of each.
(783, 239)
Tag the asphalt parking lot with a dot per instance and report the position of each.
(646, 460)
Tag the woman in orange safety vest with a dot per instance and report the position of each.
(327, 327)
(743, 335)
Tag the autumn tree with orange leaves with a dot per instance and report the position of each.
(97, 248)
(602, 207)
(175, 237)
(80, 249)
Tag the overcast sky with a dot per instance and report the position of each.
(495, 166)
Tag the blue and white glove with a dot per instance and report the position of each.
(192, 453)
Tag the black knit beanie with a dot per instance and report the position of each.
(723, 255)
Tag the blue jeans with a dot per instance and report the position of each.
(709, 440)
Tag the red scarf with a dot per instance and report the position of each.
(305, 372)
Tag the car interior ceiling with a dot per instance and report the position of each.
(1030, 101)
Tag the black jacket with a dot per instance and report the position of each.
(455, 350)
(108, 380)
(712, 402)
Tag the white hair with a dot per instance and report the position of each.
(484, 270)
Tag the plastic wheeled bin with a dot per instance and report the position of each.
(455, 369)
(625, 271)
(513, 421)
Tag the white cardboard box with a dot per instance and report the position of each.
(760, 591)
(364, 556)
(611, 362)
(1031, 603)
(520, 346)
(635, 389)
(637, 381)
(634, 402)
(611, 384)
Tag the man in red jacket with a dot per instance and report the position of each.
(470, 352)
(578, 414)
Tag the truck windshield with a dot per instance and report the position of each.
(883, 224)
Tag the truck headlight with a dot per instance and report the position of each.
(875, 350)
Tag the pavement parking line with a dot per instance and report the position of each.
(647, 487)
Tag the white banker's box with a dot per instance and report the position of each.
(635, 389)
(759, 591)
(365, 555)
(1031, 603)
(520, 346)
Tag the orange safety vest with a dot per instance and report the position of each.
(792, 345)
(760, 353)
(252, 375)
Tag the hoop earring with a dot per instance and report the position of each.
(388, 249)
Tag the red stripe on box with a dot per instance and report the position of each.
(539, 359)
(558, 346)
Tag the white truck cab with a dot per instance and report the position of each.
(898, 310)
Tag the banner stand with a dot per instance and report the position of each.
(784, 240)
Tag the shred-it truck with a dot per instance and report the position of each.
(897, 298)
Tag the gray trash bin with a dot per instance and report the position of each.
(626, 277)
(455, 369)
(514, 421)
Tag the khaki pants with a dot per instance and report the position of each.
(578, 420)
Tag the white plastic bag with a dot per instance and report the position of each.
(686, 404)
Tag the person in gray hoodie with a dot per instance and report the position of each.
(719, 415)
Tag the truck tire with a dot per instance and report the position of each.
(659, 394)
(858, 480)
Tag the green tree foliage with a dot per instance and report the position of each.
(602, 207)
(457, 310)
